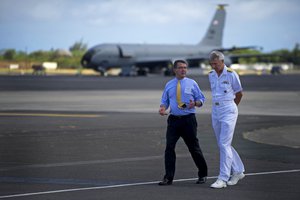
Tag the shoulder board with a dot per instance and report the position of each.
(211, 71)
(229, 70)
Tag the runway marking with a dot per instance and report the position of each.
(50, 115)
(89, 162)
(134, 184)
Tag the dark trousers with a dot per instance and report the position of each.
(185, 127)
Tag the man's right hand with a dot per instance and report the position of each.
(162, 111)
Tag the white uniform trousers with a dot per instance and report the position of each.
(224, 117)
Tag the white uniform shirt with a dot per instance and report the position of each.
(225, 86)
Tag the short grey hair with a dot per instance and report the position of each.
(216, 55)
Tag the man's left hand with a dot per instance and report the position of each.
(192, 104)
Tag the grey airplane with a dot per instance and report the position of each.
(144, 58)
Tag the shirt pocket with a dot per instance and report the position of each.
(188, 90)
(212, 84)
(225, 84)
(188, 94)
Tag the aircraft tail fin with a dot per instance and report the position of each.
(214, 33)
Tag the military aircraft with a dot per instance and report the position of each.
(140, 59)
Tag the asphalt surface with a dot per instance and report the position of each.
(101, 138)
(38, 83)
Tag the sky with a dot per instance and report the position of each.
(32, 25)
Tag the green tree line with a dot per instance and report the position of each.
(65, 59)
(278, 56)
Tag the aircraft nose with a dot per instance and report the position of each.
(86, 58)
(85, 61)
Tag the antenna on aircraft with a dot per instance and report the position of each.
(222, 6)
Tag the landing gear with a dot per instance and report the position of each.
(102, 71)
(142, 71)
(168, 71)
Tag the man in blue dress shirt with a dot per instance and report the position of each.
(182, 95)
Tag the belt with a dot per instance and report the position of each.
(182, 116)
(221, 103)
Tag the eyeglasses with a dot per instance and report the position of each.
(181, 68)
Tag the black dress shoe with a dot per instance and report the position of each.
(201, 180)
(165, 181)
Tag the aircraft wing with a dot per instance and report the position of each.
(170, 60)
(234, 48)
(259, 57)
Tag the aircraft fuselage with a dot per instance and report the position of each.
(155, 56)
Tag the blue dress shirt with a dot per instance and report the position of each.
(189, 91)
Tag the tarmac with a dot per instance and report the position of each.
(92, 137)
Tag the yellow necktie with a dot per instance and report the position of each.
(178, 96)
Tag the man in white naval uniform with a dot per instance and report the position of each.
(226, 92)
